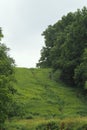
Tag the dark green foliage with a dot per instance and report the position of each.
(66, 48)
(6, 80)
(81, 71)
(83, 127)
(48, 126)
(16, 110)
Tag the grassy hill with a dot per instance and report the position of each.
(40, 99)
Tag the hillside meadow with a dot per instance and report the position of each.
(44, 104)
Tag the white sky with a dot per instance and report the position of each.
(23, 22)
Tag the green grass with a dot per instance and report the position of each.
(42, 99)
(79, 123)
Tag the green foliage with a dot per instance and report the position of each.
(16, 110)
(66, 48)
(81, 71)
(6, 81)
(83, 127)
(48, 126)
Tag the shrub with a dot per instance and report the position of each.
(48, 126)
(83, 127)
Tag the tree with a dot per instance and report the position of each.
(49, 35)
(81, 71)
(6, 81)
(65, 45)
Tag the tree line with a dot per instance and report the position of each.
(7, 78)
(65, 49)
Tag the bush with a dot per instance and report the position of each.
(17, 109)
(56, 75)
(48, 126)
(83, 127)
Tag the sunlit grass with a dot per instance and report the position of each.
(42, 95)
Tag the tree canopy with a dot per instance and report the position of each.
(6, 81)
(66, 48)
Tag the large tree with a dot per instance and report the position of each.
(6, 81)
(66, 48)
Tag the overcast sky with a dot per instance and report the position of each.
(23, 22)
